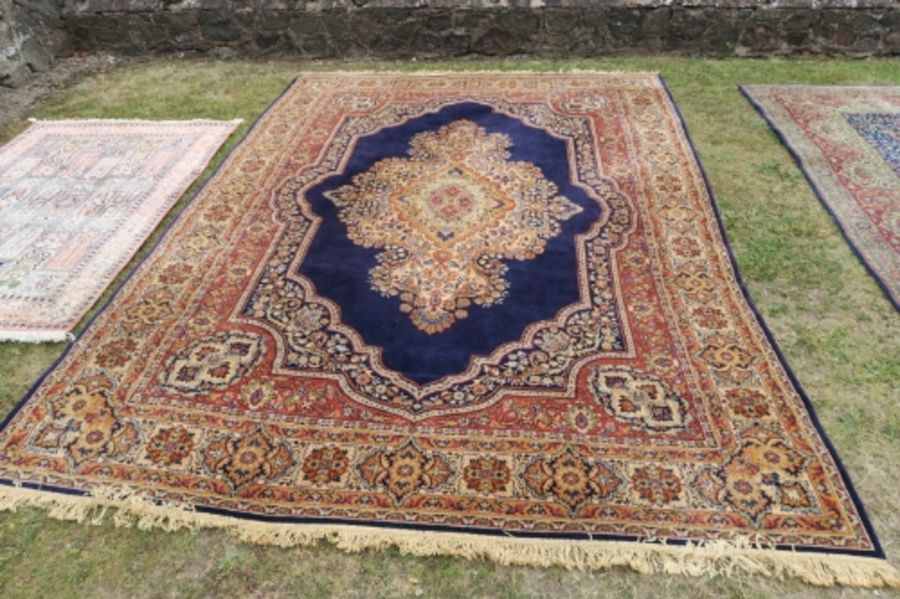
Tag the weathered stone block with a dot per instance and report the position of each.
(519, 24)
(107, 32)
(35, 55)
(657, 22)
(442, 45)
(439, 21)
(305, 24)
(722, 38)
(219, 26)
(759, 37)
(589, 45)
(561, 21)
(624, 25)
(269, 42)
(29, 38)
(498, 42)
(139, 33)
(17, 76)
(176, 23)
(689, 24)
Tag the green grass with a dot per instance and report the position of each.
(836, 328)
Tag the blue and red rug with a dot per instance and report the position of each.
(482, 315)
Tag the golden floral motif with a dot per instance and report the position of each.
(106, 436)
(680, 217)
(696, 283)
(571, 479)
(728, 358)
(152, 308)
(254, 456)
(85, 425)
(445, 219)
(405, 470)
(85, 399)
(764, 472)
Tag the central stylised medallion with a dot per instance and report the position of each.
(439, 259)
(446, 217)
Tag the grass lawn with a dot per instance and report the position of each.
(838, 331)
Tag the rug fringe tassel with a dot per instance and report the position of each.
(716, 558)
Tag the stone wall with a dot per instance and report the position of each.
(33, 31)
(440, 28)
(31, 35)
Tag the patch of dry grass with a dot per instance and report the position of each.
(839, 333)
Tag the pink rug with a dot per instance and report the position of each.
(77, 200)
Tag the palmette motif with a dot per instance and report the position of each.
(650, 404)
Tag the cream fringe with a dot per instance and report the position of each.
(715, 558)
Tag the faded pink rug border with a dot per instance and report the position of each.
(54, 318)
